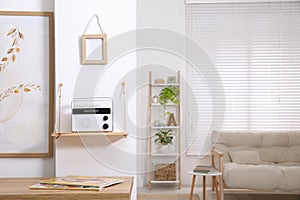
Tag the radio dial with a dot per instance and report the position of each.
(105, 118)
(105, 126)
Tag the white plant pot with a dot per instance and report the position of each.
(165, 148)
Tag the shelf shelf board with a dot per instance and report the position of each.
(152, 181)
(163, 84)
(71, 134)
(165, 154)
(165, 127)
(168, 104)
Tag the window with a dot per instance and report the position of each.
(256, 49)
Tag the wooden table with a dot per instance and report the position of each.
(204, 175)
(18, 188)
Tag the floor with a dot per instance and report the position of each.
(211, 195)
(162, 189)
(166, 197)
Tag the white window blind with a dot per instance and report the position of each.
(256, 50)
(237, 1)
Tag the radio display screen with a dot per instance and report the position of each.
(81, 111)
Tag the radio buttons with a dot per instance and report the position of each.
(105, 126)
(105, 118)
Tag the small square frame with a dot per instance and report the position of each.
(94, 49)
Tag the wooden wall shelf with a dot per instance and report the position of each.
(71, 134)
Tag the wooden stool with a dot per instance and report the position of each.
(214, 175)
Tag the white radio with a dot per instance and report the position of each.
(92, 114)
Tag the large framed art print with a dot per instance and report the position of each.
(26, 84)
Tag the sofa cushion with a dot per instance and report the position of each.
(245, 157)
(255, 177)
(280, 154)
(294, 138)
(256, 138)
(262, 177)
(289, 164)
(291, 180)
(271, 139)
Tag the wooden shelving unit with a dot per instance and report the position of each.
(71, 134)
(168, 104)
(153, 156)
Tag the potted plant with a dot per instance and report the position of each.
(164, 138)
(168, 94)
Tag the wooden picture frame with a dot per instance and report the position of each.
(26, 84)
(94, 49)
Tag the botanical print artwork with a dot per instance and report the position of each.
(26, 84)
(15, 36)
(16, 126)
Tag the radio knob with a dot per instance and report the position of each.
(105, 126)
(105, 118)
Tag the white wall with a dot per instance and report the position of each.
(96, 155)
(26, 167)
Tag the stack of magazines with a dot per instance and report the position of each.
(204, 169)
(90, 183)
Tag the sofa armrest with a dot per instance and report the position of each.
(217, 154)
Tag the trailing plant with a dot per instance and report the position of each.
(164, 137)
(169, 94)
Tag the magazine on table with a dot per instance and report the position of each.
(44, 186)
(77, 183)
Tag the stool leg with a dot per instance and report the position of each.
(213, 184)
(192, 187)
(216, 185)
(204, 187)
(221, 187)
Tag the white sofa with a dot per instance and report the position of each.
(258, 160)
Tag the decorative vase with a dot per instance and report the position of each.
(164, 149)
(155, 99)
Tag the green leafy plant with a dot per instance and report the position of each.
(164, 137)
(168, 94)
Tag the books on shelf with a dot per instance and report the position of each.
(204, 169)
(91, 183)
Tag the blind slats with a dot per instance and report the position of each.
(256, 50)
